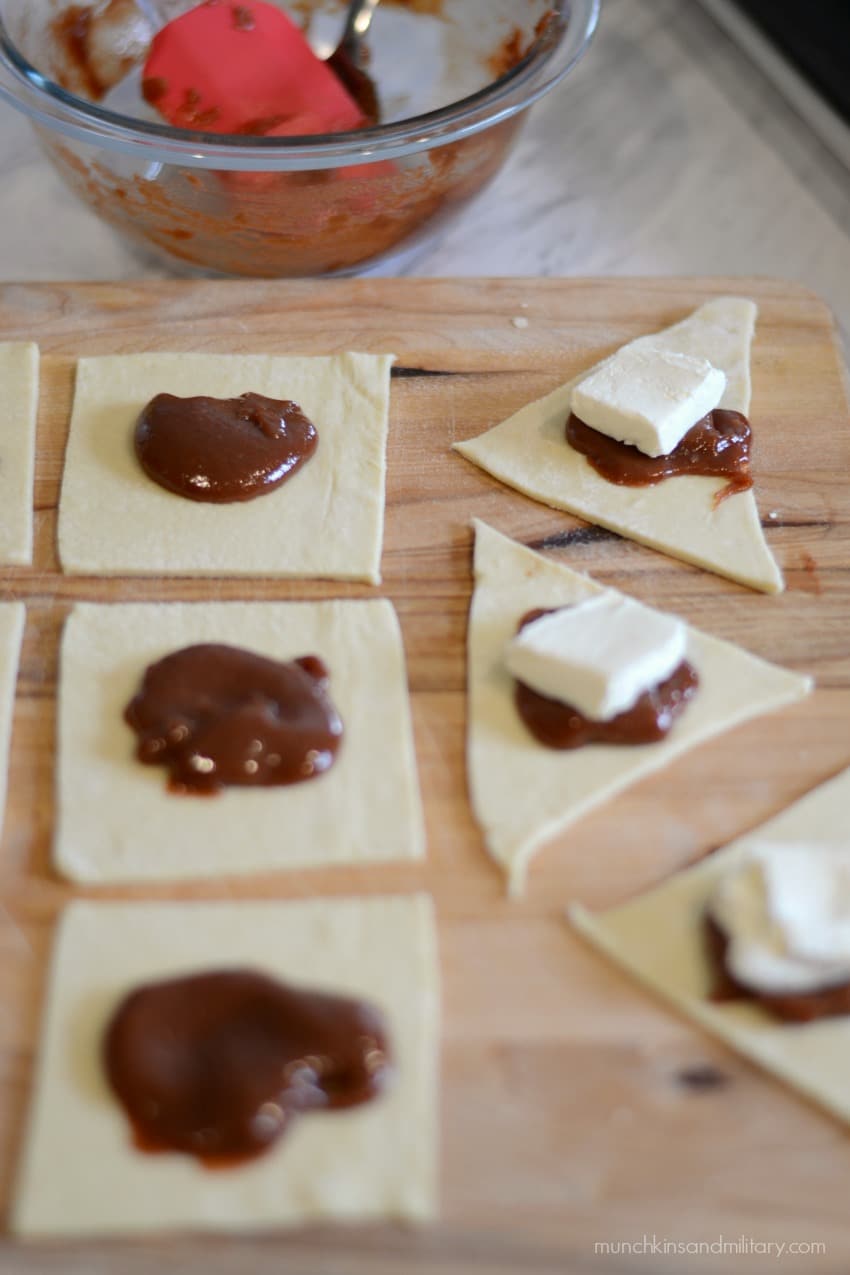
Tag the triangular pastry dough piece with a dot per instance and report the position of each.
(523, 793)
(678, 516)
(658, 939)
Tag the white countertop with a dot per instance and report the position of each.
(666, 152)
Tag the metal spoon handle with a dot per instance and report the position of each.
(350, 59)
(358, 19)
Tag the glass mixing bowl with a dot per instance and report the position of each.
(454, 76)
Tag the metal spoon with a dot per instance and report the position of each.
(349, 59)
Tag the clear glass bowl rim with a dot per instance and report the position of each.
(543, 67)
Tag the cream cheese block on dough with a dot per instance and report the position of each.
(523, 793)
(678, 516)
(326, 520)
(116, 819)
(659, 939)
(12, 618)
(19, 361)
(81, 1174)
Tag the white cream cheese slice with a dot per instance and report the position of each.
(786, 914)
(648, 396)
(599, 656)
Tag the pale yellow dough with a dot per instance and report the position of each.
(326, 520)
(80, 1173)
(12, 619)
(523, 793)
(116, 820)
(529, 451)
(658, 939)
(19, 362)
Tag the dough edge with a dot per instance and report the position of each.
(19, 376)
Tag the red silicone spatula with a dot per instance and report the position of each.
(227, 67)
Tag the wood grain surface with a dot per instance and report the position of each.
(575, 1110)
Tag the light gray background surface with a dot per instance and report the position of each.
(666, 152)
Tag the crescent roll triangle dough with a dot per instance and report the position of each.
(658, 940)
(523, 793)
(529, 451)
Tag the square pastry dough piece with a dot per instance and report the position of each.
(118, 822)
(658, 939)
(81, 1173)
(12, 618)
(19, 362)
(522, 793)
(327, 520)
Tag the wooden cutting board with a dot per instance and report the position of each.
(575, 1110)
